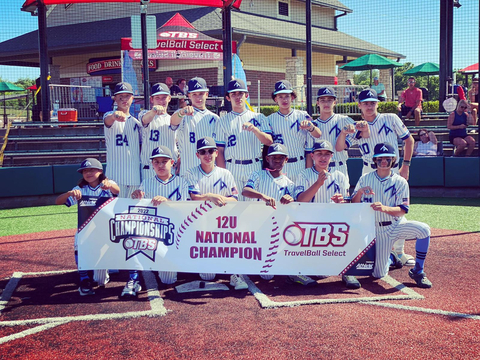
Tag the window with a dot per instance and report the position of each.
(283, 9)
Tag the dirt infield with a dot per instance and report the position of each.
(43, 317)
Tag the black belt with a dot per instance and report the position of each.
(146, 167)
(373, 165)
(385, 223)
(332, 164)
(242, 162)
(292, 160)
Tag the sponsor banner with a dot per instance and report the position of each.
(176, 54)
(242, 237)
(176, 40)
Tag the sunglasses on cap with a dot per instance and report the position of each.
(422, 134)
(204, 151)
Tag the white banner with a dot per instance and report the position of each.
(240, 238)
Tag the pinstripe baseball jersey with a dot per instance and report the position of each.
(263, 182)
(219, 181)
(336, 183)
(240, 144)
(157, 132)
(331, 128)
(384, 128)
(89, 191)
(175, 189)
(122, 141)
(391, 191)
(286, 130)
(199, 125)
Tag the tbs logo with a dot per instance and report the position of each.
(313, 234)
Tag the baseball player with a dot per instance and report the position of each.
(272, 186)
(389, 194)
(156, 128)
(194, 122)
(240, 135)
(213, 183)
(122, 140)
(292, 128)
(164, 186)
(323, 184)
(93, 183)
(331, 125)
(383, 128)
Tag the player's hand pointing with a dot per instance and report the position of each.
(348, 129)
(119, 116)
(159, 109)
(361, 125)
(77, 194)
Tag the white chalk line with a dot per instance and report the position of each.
(156, 304)
(410, 294)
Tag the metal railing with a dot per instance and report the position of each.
(346, 98)
(81, 98)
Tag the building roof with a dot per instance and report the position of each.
(258, 29)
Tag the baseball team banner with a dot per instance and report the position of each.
(240, 237)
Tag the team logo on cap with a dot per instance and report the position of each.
(205, 142)
(370, 94)
(237, 85)
(384, 148)
(327, 91)
(281, 86)
(123, 87)
(197, 85)
(277, 147)
(86, 163)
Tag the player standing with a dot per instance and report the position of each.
(156, 128)
(390, 196)
(323, 184)
(331, 125)
(93, 183)
(383, 128)
(194, 122)
(213, 183)
(240, 135)
(122, 140)
(292, 128)
(164, 186)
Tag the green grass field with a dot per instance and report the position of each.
(441, 213)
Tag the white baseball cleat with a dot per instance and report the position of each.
(238, 282)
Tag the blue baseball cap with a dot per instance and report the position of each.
(123, 88)
(206, 143)
(197, 84)
(277, 149)
(160, 89)
(161, 151)
(283, 87)
(90, 163)
(326, 91)
(323, 145)
(384, 150)
(237, 85)
(368, 95)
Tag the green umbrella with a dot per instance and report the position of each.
(370, 62)
(427, 69)
(4, 87)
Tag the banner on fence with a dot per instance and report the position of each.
(241, 237)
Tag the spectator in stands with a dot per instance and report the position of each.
(175, 91)
(473, 98)
(349, 92)
(182, 85)
(410, 102)
(427, 146)
(457, 123)
(380, 89)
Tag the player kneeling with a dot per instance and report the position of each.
(390, 196)
(210, 182)
(271, 185)
(320, 184)
(164, 186)
(93, 183)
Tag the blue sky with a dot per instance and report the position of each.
(410, 27)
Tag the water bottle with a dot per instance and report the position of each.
(56, 106)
